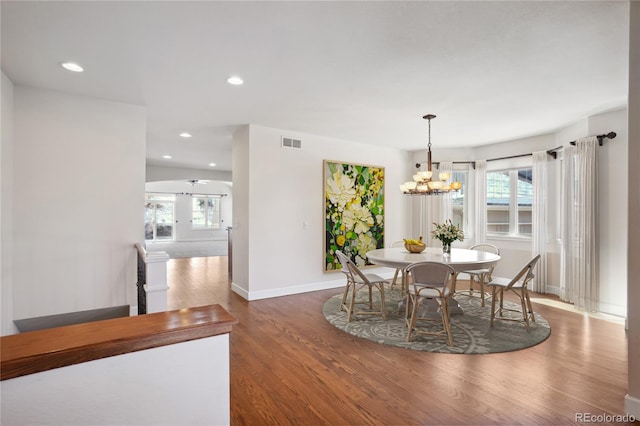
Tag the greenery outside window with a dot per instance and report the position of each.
(158, 217)
(206, 212)
(509, 198)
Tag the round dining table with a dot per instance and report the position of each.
(460, 260)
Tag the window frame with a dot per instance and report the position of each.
(155, 199)
(216, 222)
(513, 208)
(466, 226)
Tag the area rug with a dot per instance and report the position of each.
(471, 331)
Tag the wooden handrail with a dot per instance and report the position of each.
(38, 351)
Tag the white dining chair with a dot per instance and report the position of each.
(398, 272)
(429, 281)
(357, 281)
(480, 276)
(518, 286)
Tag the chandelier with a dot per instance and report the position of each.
(424, 183)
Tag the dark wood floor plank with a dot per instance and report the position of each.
(289, 366)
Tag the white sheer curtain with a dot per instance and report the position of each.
(432, 213)
(480, 224)
(446, 205)
(539, 219)
(579, 257)
(435, 208)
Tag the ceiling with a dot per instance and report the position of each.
(360, 71)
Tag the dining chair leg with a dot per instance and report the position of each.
(444, 309)
(382, 303)
(525, 314)
(414, 314)
(395, 279)
(352, 303)
(494, 293)
(533, 315)
(483, 279)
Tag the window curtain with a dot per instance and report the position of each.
(436, 208)
(539, 219)
(579, 258)
(446, 205)
(432, 213)
(480, 225)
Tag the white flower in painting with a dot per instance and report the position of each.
(365, 243)
(357, 218)
(340, 189)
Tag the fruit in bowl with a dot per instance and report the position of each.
(414, 246)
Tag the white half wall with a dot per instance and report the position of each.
(282, 232)
(181, 384)
(78, 205)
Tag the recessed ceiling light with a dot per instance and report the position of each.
(212, 164)
(185, 135)
(71, 66)
(168, 157)
(235, 80)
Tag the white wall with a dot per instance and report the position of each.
(632, 400)
(284, 193)
(78, 206)
(183, 230)
(6, 205)
(157, 173)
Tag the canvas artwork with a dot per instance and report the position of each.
(354, 211)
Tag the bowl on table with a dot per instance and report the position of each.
(415, 248)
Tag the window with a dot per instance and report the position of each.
(206, 212)
(458, 200)
(158, 217)
(509, 196)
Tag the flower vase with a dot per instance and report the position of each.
(446, 249)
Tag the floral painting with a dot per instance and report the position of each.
(354, 211)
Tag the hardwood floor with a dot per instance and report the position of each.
(289, 366)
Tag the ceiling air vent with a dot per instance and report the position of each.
(291, 143)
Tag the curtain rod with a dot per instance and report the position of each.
(184, 193)
(610, 135)
(551, 152)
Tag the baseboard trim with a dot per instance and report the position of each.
(285, 291)
(632, 406)
(385, 273)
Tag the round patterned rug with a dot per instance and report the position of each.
(471, 331)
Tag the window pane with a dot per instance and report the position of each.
(525, 198)
(509, 198)
(498, 195)
(198, 216)
(158, 216)
(164, 221)
(206, 212)
(457, 199)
